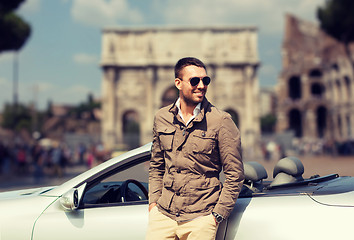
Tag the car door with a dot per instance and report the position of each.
(102, 214)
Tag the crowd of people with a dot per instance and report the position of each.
(47, 160)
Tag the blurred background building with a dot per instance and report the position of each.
(138, 78)
(315, 88)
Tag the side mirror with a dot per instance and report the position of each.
(70, 200)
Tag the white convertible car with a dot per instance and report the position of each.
(110, 202)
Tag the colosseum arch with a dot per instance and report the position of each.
(315, 73)
(339, 91)
(295, 87)
(295, 122)
(321, 119)
(348, 87)
(317, 89)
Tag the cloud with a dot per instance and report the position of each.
(101, 13)
(7, 57)
(85, 59)
(267, 15)
(30, 7)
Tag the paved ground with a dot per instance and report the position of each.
(321, 165)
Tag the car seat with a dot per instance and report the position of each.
(287, 170)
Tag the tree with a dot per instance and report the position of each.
(268, 123)
(337, 20)
(14, 31)
(16, 117)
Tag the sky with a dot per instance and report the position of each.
(60, 62)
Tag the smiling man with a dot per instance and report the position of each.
(192, 142)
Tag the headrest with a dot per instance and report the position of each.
(289, 165)
(254, 171)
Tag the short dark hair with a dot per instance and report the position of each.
(187, 61)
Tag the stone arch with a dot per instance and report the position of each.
(349, 126)
(340, 130)
(315, 73)
(131, 129)
(169, 96)
(335, 67)
(317, 89)
(338, 90)
(348, 87)
(295, 122)
(294, 87)
(321, 121)
(234, 116)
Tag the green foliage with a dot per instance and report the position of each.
(86, 107)
(14, 31)
(9, 5)
(16, 117)
(268, 123)
(337, 19)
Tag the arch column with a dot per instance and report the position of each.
(108, 107)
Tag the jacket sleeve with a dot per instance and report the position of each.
(157, 168)
(230, 156)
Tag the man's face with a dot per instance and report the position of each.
(191, 94)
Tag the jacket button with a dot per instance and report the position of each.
(178, 193)
(177, 214)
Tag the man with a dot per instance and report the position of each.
(192, 142)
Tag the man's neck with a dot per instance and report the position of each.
(187, 109)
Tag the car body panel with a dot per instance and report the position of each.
(297, 217)
(18, 215)
(105, 223)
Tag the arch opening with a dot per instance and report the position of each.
(321, 118)
(294, 88)
(295, 122)
(131, 129)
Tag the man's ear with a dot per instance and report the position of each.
(178, 83)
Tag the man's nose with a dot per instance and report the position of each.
(201, 84)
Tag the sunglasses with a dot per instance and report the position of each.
(195, 81)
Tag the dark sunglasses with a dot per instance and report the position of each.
(195, 81)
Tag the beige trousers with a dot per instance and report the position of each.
(162, 227)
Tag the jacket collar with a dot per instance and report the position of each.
(204, 108)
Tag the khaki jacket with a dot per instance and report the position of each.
(186, 162)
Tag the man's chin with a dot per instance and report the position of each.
(199, 99)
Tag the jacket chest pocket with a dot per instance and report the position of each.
(166, 138)
(204, 142)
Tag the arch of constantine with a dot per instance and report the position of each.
(138, 78)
